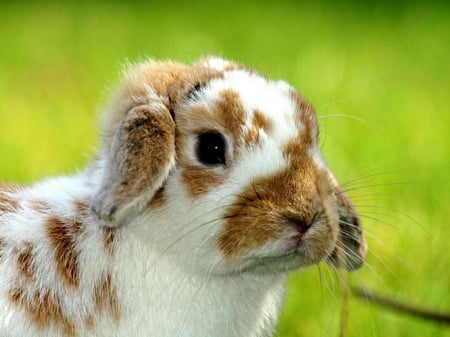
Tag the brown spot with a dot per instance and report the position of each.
(158, 199)
(40, 206)
(7, 202)
(109, 235)
(63, 237)
(297, 151)
(259, 122)
(89, 323)
(25, 261)
(200, 180)
(105, 297)
(81, 208)
(43, 308)
(2, 246)
(306, 117)
(251, 137)
(231, 112)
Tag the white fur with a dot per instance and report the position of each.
(170, 277)
(161, 290)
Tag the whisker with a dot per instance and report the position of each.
(372, 270)
(369, 305)
(395, 211)
(382, 222)
(192, 230)
(329, 134)
(362, 120)
(376, 185)
(332, 292)
(387, 248)
(368, 176)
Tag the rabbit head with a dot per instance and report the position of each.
(225, 165)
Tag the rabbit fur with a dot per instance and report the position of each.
(208, 188)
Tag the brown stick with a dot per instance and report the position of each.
(343, 277)
(389, 303)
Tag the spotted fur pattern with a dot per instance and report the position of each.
(151, 241)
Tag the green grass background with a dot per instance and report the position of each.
(384, 65)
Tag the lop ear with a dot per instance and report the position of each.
(138, 157)
(139, 137)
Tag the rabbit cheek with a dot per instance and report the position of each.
(281, 215)
(198, 181)
(248, 226)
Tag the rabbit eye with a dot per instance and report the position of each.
(211, 148)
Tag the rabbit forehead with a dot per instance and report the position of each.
(254, 93)
(248, 108)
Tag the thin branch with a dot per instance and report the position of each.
(402, 307)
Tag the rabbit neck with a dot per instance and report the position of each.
(159, 296)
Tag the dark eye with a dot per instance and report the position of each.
(211, 148)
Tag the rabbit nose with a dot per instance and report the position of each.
(300, 224)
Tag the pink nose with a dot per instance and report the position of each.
(299, 224)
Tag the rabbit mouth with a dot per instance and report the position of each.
(290, 253)
(278, 264)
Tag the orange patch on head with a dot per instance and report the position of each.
(43, 309)
(259, 122)
(200, 180)
(63, 237)
(306, 116)
(231, 112)
(105, 297)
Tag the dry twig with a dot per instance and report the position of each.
(440, 317)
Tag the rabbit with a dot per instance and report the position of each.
(207, 190)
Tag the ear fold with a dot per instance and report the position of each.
(139, 137)
(140, 155)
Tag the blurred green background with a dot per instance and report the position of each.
(378, 74)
